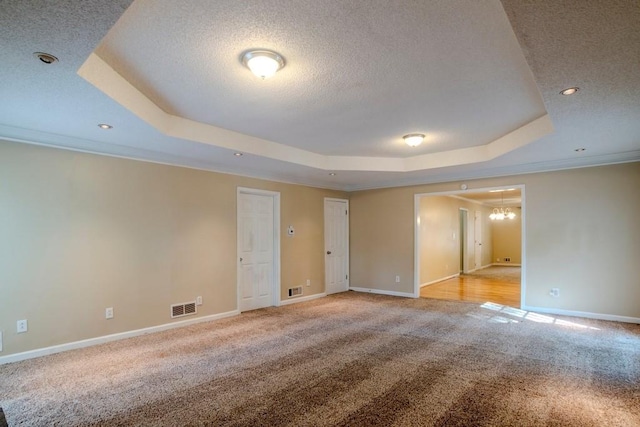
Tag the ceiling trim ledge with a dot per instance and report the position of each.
(506, 171)
(100, 74)
(518, 138)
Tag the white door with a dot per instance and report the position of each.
(336, 245)
(256, 272)
(477, 233)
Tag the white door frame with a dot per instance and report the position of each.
(463, 238)
(275, 289)
(348, 281)
(460, 193)
(477, 240)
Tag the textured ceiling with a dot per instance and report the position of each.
(592, 44)
(359, 74)
(481, 79)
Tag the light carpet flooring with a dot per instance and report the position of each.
(349, 359)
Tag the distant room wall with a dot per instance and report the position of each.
(440, 237)
(506, 236)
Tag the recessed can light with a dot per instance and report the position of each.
(105, 126)
(237, 154)
(45, 58)
(332, 173)
(569, 91)
(580, 150)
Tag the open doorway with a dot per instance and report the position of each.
(466, 250)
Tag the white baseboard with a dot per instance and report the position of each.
(439, 280)
(479, 268)
(108, 338)
(302, 299)
(383, 292)
(586, 314)
(506, 264)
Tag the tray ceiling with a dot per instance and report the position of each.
(480, 79)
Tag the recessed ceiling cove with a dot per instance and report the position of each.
(359, 75)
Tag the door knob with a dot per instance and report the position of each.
(240, 259)
(328, 252)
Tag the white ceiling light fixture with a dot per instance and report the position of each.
(569, 91)
(105, 126)
(413, 139)
(263, 63)
(502, 213)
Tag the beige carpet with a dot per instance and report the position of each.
(344, 360)
(501, 273)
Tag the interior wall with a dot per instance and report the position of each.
(82, 232)
(507, 239)
(439, 234)
(572, 242)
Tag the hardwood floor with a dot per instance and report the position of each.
(474, 288)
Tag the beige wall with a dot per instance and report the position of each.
(83, 232)
(581, 231)
(439, 234)
(507, 239)
(382, 223)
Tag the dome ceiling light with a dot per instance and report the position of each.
(413, 139)
(569, 91)
(263, 63)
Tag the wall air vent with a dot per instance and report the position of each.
(183, 309)
(295, 292)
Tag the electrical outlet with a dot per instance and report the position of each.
(555, 292)
(308, 282)
(22, 326)
(108, 313)
(198, 300)
(397, 279)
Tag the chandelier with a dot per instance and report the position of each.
(502, 213)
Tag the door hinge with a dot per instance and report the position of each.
(346, 277)
(346, 212)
